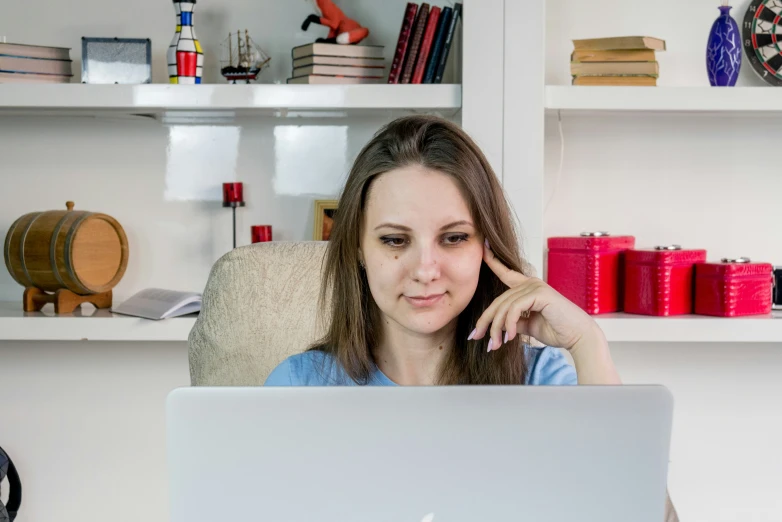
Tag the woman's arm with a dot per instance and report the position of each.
(592, 358)
(532, 307)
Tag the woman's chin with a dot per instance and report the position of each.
(427, 324)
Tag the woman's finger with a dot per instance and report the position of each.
(486, 318)
(513, 319)
(501, 321)
(498, 322)
(510, 277)
(530, 301)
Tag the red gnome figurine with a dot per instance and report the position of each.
(344, 30)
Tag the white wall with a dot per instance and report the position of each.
(703, 181)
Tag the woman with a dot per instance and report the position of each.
(426, 282)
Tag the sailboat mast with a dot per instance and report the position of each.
(230, 51)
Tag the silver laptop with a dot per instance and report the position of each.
(419, 454)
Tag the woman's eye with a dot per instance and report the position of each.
(455, 239)
(393, 241)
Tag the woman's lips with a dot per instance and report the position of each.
(424, 301)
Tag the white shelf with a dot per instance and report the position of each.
(228, 100)
(691, 328)
(664, 99)
(102, 325)
(92, 325)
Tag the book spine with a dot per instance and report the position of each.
(457, 11)
(439, 41)
(426, 45)
(415, 45)
(401, 46)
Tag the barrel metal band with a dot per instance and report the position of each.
(7, 249)
(53, 250)
(21, 248)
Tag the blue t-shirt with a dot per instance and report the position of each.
(547, 367)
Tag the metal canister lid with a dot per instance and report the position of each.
(742, 260)
(668, 247)
(594, 234)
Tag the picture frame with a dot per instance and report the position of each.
(116, 60)
(324, 215)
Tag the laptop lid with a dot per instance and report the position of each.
(419, 454)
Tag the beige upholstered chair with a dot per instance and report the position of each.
(260, 306)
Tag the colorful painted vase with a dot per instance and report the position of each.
(185, 56)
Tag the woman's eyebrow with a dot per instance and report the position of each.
(393, 225)
(456, 224)
(408, 229)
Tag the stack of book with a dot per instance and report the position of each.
(625, 60)
(424, 43)
(21, 63)
(326, 63)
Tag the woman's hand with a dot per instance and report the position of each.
(531, 307)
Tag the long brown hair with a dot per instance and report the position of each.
(353, 323)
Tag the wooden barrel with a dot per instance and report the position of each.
(85, 252)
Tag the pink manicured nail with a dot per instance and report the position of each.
(472, 334)
(491, 342)
(486, 243)
(505, 341)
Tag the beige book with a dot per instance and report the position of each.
(619, 42)
(606, 81)
(614, 68)
(630, 55)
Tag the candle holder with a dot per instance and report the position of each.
(233, 196)
(261, 233)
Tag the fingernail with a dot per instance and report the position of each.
(486, 243)
(472, 334)
(491, 342)
(505, 340)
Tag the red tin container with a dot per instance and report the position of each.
(659, 281)
(733, 288)
(588, 269)
(260, 233)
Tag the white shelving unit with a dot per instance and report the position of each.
(664, 99)
(89, 325)
(691, 328)
(231, 100)
(102, 325)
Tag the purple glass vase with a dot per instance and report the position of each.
(723, 52)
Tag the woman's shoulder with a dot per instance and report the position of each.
(549, 367)
(310, 368)
(546, 367)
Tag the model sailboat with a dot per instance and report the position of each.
(246, 59)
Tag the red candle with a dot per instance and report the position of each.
(261, 233)
(233, 194)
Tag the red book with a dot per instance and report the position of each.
(415, 43)
(404, 40)
(659, 282)
(588, 270)
(426, 45)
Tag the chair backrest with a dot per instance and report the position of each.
(260, 305)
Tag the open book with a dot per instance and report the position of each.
(157, 303)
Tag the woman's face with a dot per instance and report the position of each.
(421, 249)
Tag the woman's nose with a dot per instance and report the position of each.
(427, 266)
